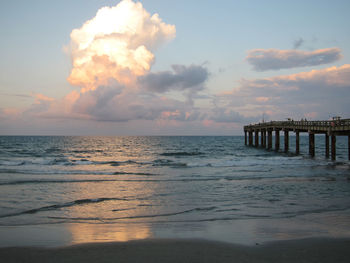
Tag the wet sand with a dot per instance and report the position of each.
(177, 250)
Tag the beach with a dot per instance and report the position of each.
(177, 250)
(170, 199)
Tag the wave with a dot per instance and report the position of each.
(60, 172)
(130, 173)
(59, 206)
(64, 161)
(199, 209)
(313, 211)
(181, 153)
(118, 163)
(87, 151)
(19, 182)
(12, 163)
(181, 179)
(170, 163)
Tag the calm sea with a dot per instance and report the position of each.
(121, 188)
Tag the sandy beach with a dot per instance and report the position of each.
(177, 250)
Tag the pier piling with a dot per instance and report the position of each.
(297, 150)
(269, 138)
(277, 140)
(333, 148)
(349, 147)
(250, 138)
(312, 144)
(286, 141)
(264, 138)
(327, 145)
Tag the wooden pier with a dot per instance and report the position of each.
(333, 128)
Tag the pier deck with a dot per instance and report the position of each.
(332, 128)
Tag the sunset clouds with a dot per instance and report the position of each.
(275, 59)
(112, 55)
(171, 68)
(117, 43)
(294, 95)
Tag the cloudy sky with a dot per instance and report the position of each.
(158, 67)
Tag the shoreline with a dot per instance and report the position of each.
(186, 250)
(241, 232)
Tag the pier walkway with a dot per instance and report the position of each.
(333, 128)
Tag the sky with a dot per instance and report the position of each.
(158, 67)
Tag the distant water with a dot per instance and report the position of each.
(165, 181)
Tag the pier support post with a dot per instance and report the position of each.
(277, 140)
(312, 144)
(269, 138)
(264, 138)
(245, 137)
(327, 145)
(286, 141)
(297, 149)
(256, 138)
(349, 147)
(333, 148)
(250, 138)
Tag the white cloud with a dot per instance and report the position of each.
(117, 43)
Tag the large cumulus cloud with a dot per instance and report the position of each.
(117, 43)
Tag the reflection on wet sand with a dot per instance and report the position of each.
(98, 221)
(87, 233)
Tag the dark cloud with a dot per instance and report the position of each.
(297, 43)
(274, 59)
(180, 79)
(16, 95)
(119, 104)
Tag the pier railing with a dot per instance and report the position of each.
(315, 126)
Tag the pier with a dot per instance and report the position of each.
(331, 128)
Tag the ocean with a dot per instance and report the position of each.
(57, 190)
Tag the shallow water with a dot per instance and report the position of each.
(161, 186)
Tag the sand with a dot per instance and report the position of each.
(177, 250)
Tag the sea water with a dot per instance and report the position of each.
(91, 189)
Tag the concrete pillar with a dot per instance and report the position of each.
(262, 138)
(297, 149)
(256, 138)
(269, 138)
(333, 147)
(250, 138)
(245, 137)
(312, 144)
(286, 141)
(327, 145)
(277, 140)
